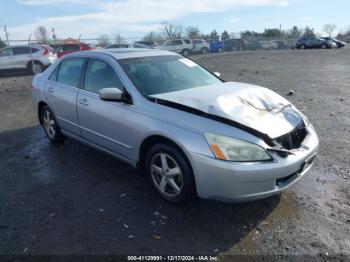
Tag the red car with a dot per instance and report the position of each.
(71, 48)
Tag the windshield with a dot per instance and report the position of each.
(165, 74)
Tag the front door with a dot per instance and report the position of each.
(106, 124)
(6, 59)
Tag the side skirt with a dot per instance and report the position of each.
(101, 149)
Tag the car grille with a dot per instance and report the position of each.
(293, 139)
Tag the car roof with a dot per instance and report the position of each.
(125, 53)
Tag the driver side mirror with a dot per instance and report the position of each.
(217, 74)
(111, 94)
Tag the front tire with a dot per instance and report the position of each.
(170, 174)
(51, 128)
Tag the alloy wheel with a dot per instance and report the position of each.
(166, 175)
(49, 124)
(36, 68)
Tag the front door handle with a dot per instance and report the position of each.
(50, 89)
(84, 102)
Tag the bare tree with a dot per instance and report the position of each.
(329, 29)
(295, 32)
(103, 41)
(192, 32)
(171, 31)
(225, 35)
(154, 37)
(42, 34)
(119, 39)
(214, 35)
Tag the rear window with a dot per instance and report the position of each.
(70, 71)
(71, 48)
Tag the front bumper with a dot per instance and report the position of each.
(238, 182)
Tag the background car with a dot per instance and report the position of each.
(200, 46)
(65, 49)
(34, 58)
(134, 45)
(337, 42)
(282, 44)
(253, 45)
(182, 46)
(150, 44)
(268, 45)
(234, 44)
(313, 42)
(216, 46)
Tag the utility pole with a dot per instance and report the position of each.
(53, 34)
(7, 35)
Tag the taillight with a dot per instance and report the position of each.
(46, 51)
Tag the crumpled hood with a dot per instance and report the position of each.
(252, 106)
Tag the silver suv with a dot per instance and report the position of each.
(34, 58)
(181, 46)
(200, 46)
(189, 131)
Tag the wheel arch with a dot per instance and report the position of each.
(151, 140)
(35, 61)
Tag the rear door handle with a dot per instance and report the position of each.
(83, 102)
(50, 89)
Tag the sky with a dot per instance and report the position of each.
(134, 18)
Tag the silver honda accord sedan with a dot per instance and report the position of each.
(189, 131)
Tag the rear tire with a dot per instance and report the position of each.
(51, 128)
(302, 47)
(205, 50)
(185, 52)
(35, 67)
(170, 174)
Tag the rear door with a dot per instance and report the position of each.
(6, 58)
(23, 55)
(105, 124)
(61, 91)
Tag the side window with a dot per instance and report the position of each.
(186, 41)
(6, 52)
(72, 47)
(178, 42)
(21, 51)
(70, 70)
(170, 43)
(53, 76)
(100, 74)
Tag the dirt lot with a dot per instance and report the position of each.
(71, 199)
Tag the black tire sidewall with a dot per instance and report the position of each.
(59, 137)
(188, 189)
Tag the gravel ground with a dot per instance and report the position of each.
(71, 199)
